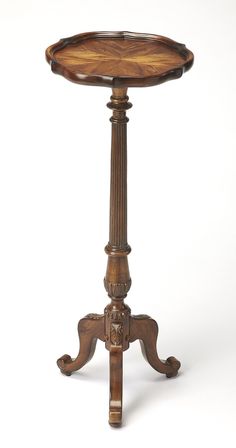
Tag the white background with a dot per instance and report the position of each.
(54, 180)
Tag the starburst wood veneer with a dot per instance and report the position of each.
(119, 60)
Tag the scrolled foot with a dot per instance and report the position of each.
(115, 418)
(63, 362)
(146, 330)
(90, 328)
(175, 366)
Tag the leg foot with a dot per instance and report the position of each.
(116, 380)
(90, 328)
(145, 329)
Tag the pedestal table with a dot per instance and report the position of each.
(118, 60)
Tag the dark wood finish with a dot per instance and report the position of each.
(119, 59)
(116, 385)
(145, 329)
(115, 59)
(90, 328)
(117, 280)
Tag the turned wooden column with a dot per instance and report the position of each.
(117, 280)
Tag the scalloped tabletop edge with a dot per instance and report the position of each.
(119, 81)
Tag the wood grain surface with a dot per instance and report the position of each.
(119, 59)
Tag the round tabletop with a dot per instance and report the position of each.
(119, 59)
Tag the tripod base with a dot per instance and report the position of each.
(117, 328)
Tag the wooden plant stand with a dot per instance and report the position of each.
(118, 60)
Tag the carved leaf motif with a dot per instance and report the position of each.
(116, 334)
(117, 289)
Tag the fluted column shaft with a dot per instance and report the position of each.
(117, 280)
(118, 188)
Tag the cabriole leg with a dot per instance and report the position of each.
(90, 328)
